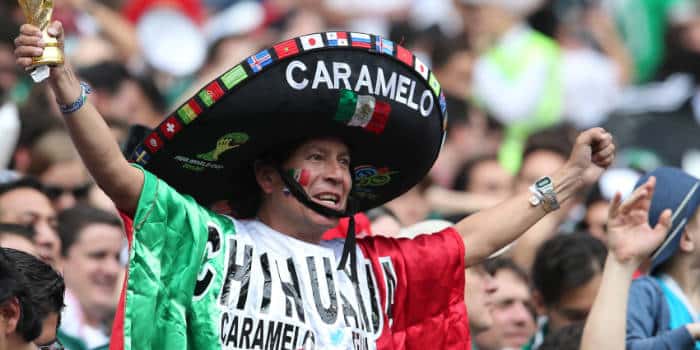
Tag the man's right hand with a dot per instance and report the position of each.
(92, 137)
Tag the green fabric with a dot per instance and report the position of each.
(73, 343)
(168, 252)
(536, 48)
(643, 24)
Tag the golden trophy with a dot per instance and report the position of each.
(38, 13)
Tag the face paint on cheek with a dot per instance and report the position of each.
(302, 176)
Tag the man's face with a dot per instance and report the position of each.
(535, 165)
(477, 295)
(574, 305)
(27, 206)
(490, 178)
(48, 330)
(66, 183)
(512, 312)
(92, 268)
(323, 166)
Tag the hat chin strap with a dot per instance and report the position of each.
(349, 246)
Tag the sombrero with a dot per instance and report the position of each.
(374, 94)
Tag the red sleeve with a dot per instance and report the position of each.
(425, 278)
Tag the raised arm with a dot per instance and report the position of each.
(489, 230)
(630, 242)
(91, 136)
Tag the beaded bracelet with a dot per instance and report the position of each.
(84, 91)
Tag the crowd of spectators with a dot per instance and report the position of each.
(521, 78)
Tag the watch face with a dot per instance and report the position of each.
(545, 181)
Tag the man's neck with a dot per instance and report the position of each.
(15, 342)
(688, 280)
(308, 234)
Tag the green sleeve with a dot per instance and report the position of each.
(167, 248)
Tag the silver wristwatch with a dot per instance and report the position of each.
(543, 194)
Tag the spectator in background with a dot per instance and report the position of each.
(122, 97)
(643, 25)
(19, 322)
(566, 275)
(403, 211)
(661, 311)
(19, 237)
(567, 337)
(631, 240)
(511, 307)
(452, 62)
(516, 64)
(484, 175)
(36, 117)
(9, 115)
(477, 295)
(46, 289)
(545, 150)
(23, 202)
(93, 240)
(55, 162)
(595, 64)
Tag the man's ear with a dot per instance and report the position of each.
(538, 302)
(267, 177)
(9, 316)
(686, 244)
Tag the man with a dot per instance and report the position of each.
(23, 202)
(478, 296)
(92, 244)
(566, 275)
(17, 237)
(19, 324)
(512, 310)
(46, 290)
(201, 280)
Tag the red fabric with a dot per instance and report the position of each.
(134, 9)
(428, 309)
(362, 228)
(116, 341)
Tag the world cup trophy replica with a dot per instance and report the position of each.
(38, 13)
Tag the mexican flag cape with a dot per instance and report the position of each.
(199, 280)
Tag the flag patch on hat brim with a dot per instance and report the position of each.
(312, 41)
(361, 40)
(286, 48)
(434, 84)
(259, 61)
(170, 127)
(421, 68)
(140, 156)
(443, 104)
(211, 93)
(384, 46)
(234, 76)
(403, 55)
(337, 38)
(189, 112)
(363, 111)
(153, 142)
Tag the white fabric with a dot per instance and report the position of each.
(591, 88)
(73, 324)
(9, 131)
(510, 100)
(280, 250)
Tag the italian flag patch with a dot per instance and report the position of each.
(362, 111)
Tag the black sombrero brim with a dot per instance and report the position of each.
(364, 89)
